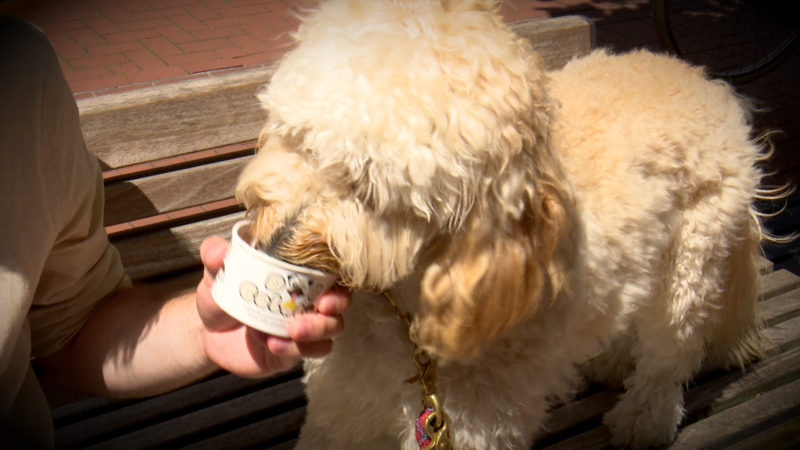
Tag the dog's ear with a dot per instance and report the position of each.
(493, 274)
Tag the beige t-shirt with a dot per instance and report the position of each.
(56, 264)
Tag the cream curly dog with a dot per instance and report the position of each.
(530, 223)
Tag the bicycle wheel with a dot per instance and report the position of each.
(738, 40)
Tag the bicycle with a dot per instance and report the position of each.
(737, 40)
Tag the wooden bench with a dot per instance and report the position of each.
(171, 156)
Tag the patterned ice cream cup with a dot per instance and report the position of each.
(264, 292)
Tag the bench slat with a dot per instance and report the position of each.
(778, 282)
(288, 445)
(159, 122)
(121, 417)
(244, 409)
(779, 308)
(727, 390)
(559, 39)
(149, 196)
(569, 418)
(596, 438)
(279, 431)
(781, 435)
(783, 335)
(729, 426)
(171, 249)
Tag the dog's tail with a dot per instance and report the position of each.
(770, 201)
(747, 262)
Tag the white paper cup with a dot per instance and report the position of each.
(264, 292)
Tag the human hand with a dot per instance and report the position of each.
(251, 353)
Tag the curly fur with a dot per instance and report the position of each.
(598, 215)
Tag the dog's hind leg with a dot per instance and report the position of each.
(711, 258)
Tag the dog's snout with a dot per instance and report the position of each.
(279, 238)
(301, 241)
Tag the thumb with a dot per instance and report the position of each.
(212, 254)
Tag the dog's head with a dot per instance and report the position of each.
(412, 136)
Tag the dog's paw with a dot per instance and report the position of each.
(640, 426)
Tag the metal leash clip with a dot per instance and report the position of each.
(435, 424)
(433, 418)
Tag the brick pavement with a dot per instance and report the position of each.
(108, 45)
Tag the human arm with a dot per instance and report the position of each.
(142, 342)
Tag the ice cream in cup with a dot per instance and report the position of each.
(264, 292)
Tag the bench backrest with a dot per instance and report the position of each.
(171, 154)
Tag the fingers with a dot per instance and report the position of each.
(311, 335)
(315, 327)
(327, 323)
(273, 354)
(333, 301)
(291, 351)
